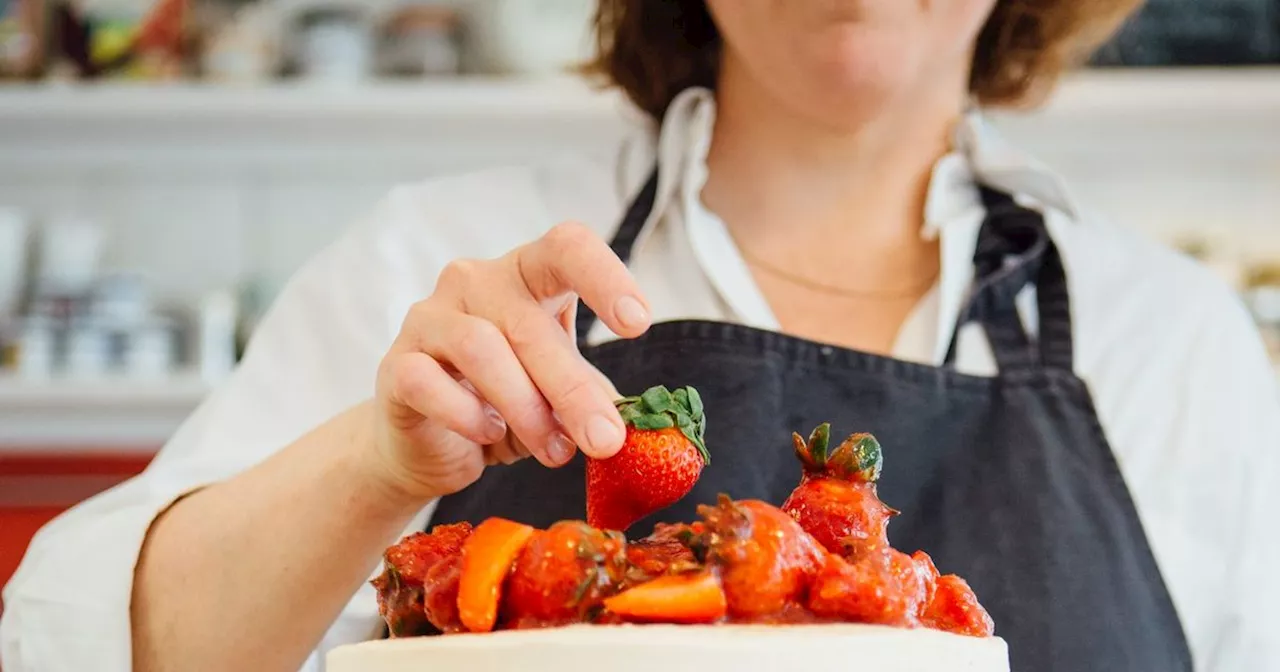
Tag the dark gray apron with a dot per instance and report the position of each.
(1006, 481)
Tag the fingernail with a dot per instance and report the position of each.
(630, 312)
(559, 449)
(496, 426)
(603, 434)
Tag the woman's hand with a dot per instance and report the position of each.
(486, 370)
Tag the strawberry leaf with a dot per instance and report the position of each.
(820, 442)
(653, 422)
(660, 408)
(694, 401)
(868, 457)
(629, 414)
(857, 458)
(658, 400)
(801, 450)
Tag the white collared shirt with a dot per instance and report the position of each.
(1183, 388)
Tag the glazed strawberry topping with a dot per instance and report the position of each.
(836, 500)
(563, 574)
(956, 609)
(418, 588)
(823, 557)
(765, 558)
(883, 586)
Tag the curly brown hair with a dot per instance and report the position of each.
(653, 49)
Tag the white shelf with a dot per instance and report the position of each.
(1108, 91)
(1158, 125)
(421, 99)
(1230, 113)
(94, 414)
(1164, 92)
(296, 127)
(183, 389)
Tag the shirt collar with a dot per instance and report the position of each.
(1000, 164)
(981, 155)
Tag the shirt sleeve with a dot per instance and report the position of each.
(314, 354)
(1233, 406)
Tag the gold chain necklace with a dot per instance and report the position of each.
(910, 292)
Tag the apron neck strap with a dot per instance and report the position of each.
(1015, 251)
(624, 239)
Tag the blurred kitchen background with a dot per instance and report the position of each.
(165, 165)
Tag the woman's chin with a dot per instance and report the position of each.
(856, 63)
(843, 76)
(855, 57)
(850, 94)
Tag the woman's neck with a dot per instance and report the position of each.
(775, 176)
(814, 204)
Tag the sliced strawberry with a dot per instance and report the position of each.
(677, 598)
(487, 557)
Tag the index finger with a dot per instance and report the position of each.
(572, 258)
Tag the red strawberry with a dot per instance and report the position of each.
(929, 574)
(659, 463)
(883, 586)
(766, 560)
(836, 500)
(956, 609)
(417, 590)
(666, 551)
(562, 575)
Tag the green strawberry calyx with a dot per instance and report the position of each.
(660, 408)
(857, 458)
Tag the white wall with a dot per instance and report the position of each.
(201, 188)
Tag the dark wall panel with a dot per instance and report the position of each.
(1198, 32)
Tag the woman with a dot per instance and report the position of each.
(830, 235)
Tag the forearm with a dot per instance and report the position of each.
(250, 573)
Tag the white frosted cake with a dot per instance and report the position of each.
(680, 648)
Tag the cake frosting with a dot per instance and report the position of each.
(680, 648)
